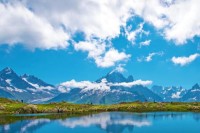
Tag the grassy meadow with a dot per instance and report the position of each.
(15, 107)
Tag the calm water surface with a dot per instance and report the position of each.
(115, 122)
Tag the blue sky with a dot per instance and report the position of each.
(164, 50)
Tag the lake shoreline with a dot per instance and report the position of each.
(8, 106)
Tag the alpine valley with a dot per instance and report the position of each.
(109, 89)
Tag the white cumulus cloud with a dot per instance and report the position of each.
(133, 34)
(185, 60)
(145, 43)
(150, 56)
(97, 50)
(120, 68)
(102, 18)
(49, 24)
(178, 20)
(130, 84)
(103, 85)
(85, 85)
(20, 25)
(111, 57)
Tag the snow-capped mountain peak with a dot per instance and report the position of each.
(196, 86)
(7, 70)
(111, 88)
(116, 77)
(7, 73)
(130, 78)
(169, 94)
(24, 87)
(34, 80)
(193, 95)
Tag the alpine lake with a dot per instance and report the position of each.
(106, 122)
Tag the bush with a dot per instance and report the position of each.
(2, 107)
(28, 109)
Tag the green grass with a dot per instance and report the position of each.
(15, 107)
(64, 110)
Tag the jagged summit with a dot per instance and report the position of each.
(25, 75)
(171, 93)
(34, 80)
(196, 86)
(30, 88)
(130, 78)
(7, 71)
(193, 95)
(11, 78)
(24, 87)
(116, 77)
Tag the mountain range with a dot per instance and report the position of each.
(114, 94)
(169, 94)
(109, 89)
(26, 87)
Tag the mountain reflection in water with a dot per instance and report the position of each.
(109, 122)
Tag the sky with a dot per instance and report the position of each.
(57, 41)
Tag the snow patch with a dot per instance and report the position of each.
(18, 90)
(9, 89)
(40, 100)
(8, 81)
(176, 95)
(195, 90)
(38, 87)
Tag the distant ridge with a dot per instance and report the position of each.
(115, 94)
(29, 88)
(26, 88)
